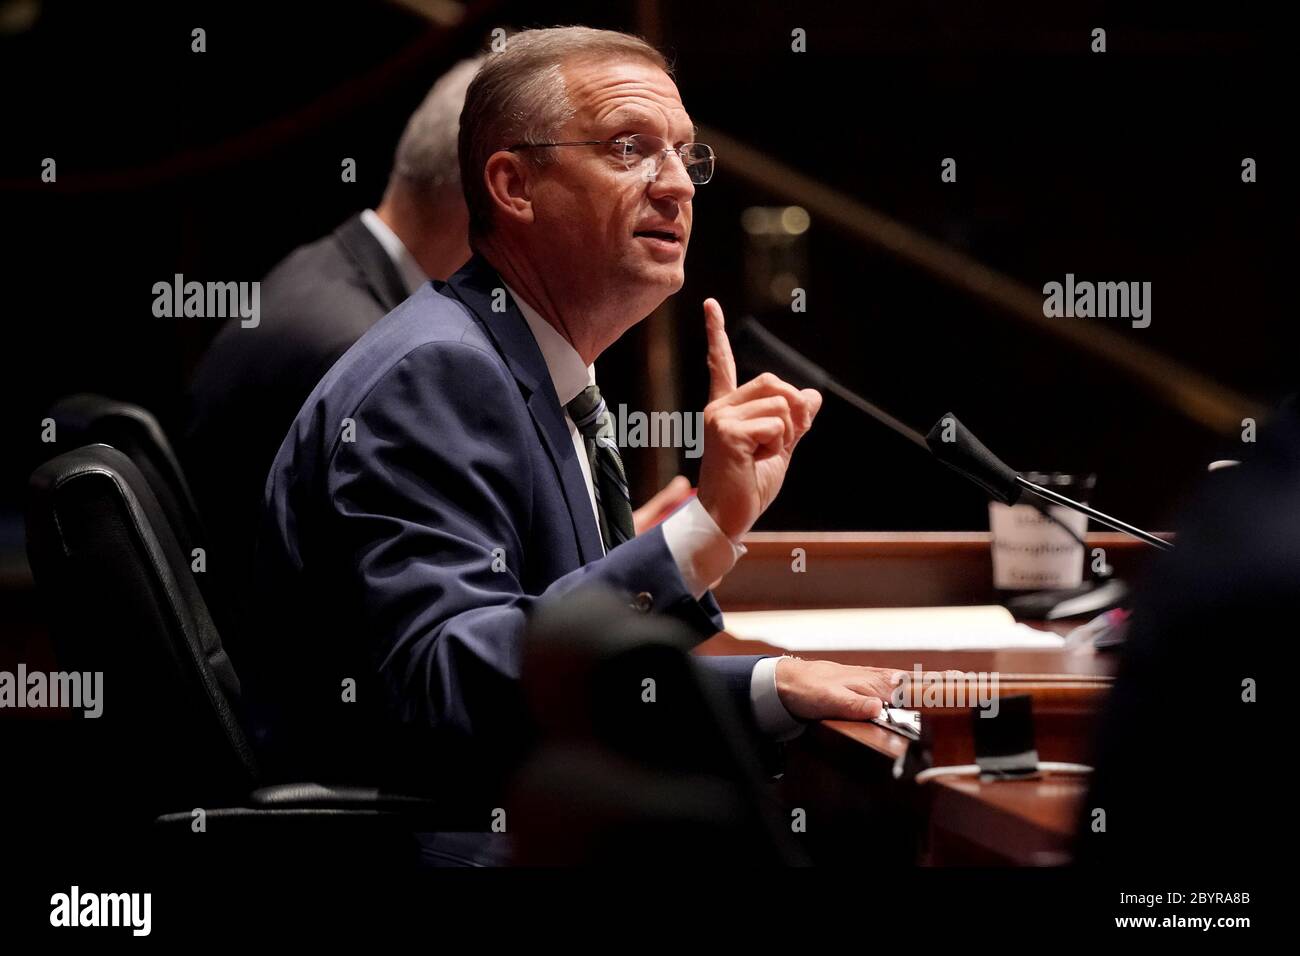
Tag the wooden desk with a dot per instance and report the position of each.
(841, 771)
(884, 569)
(1021, 823)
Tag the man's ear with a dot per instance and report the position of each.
(509, 188)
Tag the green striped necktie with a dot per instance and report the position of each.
(613, 505)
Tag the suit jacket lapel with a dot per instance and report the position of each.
(476, 285)
(381, 276)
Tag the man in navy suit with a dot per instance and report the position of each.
(456, 467)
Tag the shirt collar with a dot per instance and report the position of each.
(412, 275)
(569, 374)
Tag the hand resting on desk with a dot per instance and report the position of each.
(824, 690)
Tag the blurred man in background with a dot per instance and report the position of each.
(318, 301)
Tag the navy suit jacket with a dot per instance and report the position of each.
(433, 449)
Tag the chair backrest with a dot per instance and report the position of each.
(122, 601)
(87, 419)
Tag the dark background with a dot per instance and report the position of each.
(1119, 166)
(1123, 166)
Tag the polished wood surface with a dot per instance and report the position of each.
(967, 820)
(846, 769)
(1064, 716)
(1019, 822)
(1039, 662)
(884, 569)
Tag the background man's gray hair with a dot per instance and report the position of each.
(519, 96)
(426, 153)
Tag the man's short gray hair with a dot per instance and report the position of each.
(519, 96)
(426, 153)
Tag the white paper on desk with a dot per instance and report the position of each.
(979, 628)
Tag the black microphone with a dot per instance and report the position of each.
(954, 445)
(949, 440)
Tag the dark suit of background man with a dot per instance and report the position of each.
(315, 304)
(456, 466)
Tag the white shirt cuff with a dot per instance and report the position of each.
(702, 552)
(770, 714)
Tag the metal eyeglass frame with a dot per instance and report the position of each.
(629, 158)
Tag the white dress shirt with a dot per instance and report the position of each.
(702, 552)
(412, 275)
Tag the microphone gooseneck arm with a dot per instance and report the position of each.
(1100, 517)
(949, 440)
(805, 372)
(879, 414)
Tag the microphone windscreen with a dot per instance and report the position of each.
(758, 349)
(954, 445)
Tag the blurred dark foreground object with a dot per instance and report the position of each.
(1186, 756)
(640, 760)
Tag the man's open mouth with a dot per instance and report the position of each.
(657, 234)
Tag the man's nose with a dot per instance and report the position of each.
(672, 181)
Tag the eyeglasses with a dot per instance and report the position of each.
(647, 153)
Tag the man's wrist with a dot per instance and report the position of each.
(702, 552)
(770, 713)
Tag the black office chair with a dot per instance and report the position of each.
(123, 602)
(666, 782)
(87, 419)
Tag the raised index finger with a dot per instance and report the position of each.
(722, 365)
